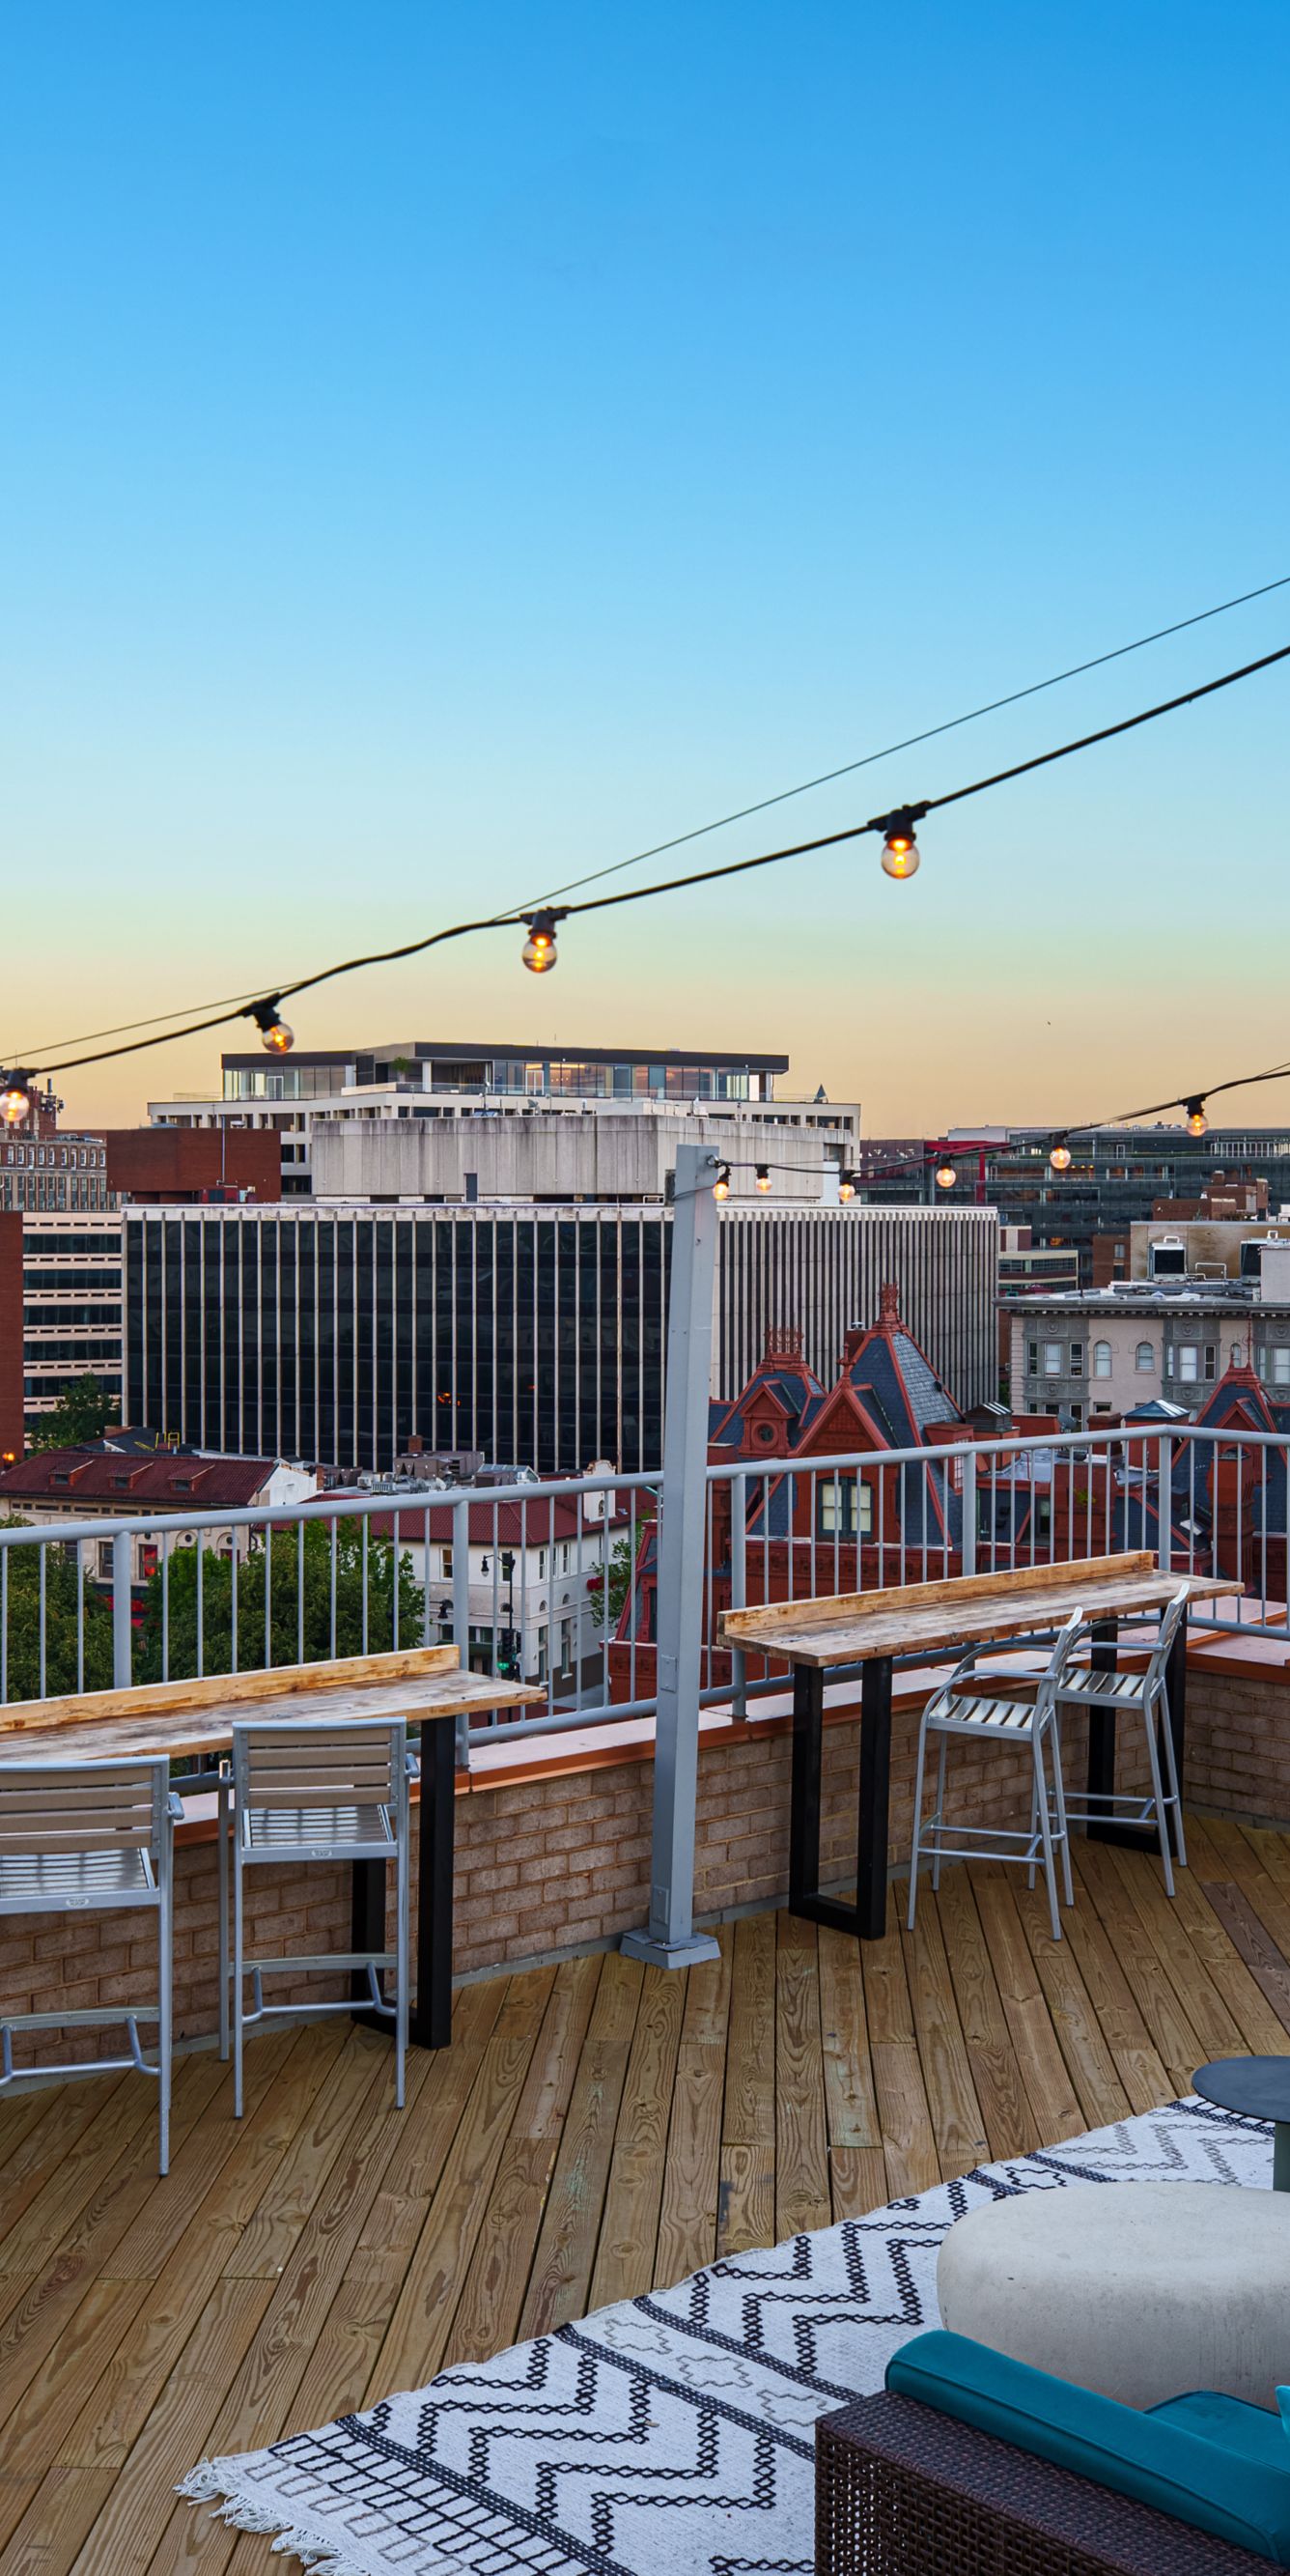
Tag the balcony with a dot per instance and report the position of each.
(598, 2129)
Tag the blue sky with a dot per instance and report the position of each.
(442, 452)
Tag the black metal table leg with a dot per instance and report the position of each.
(367, 1932)
(1103, 1658)
(867, 1918)
(431, 2020)
(804, 1808)
(875, 1798)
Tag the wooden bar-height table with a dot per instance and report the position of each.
(195, 1719)
(928, 1619)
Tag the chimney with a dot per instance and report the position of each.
(889, 1305)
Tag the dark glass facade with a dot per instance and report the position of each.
(338, 1335)
(533, 1334)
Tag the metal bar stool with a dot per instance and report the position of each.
(951, 1711)
(1144, 1696)
(305, 1791)
(86, 1838)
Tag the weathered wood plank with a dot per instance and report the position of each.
(561, 2275)
(687, 2225)
(1010, 2125)
(802, 2198)
(624, 2265)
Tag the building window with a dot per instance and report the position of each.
(1077, 1359)
(1211, 1359)
(1189, 1361)
(1281, 1364)
(835, 1511)
(1101, 1359)
(1144, 1357)
(1052, 1359)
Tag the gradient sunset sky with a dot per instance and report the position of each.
(446, 450)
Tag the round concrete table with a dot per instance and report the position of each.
(1260, 2088)
(1140, 2290)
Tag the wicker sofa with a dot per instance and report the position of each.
(923, 2484)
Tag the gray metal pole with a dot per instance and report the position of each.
(122, 1630)
(671, 1940)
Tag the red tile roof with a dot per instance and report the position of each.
(534, 1522)
(128, 1483)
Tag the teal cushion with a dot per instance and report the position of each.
(1249, 2430)
(1158, 2463)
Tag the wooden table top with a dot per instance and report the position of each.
(910, 1618)
(182, 1718)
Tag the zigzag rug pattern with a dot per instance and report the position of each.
(672, 2435)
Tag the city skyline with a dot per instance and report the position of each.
(448, 460)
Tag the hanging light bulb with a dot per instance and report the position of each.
(538, 952)
(1060, 1157)
(15, 1100)
(721, 1185)
(946, 1176)
(847, 1188)
(762, 1178)
(1197, 1122)
(275, 1037)
(901, 856)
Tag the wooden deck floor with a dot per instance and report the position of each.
(595, 2128)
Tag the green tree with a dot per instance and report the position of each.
(620, 1571)
(82, 1414)
(277, 1572)
(63, 1670)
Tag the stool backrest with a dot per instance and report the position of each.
(1170, 1622)
(1063, 1648)
(306, 1762)
(48, 1807)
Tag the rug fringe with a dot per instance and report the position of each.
(212, 2483)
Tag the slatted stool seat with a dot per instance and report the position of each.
(298, 1790)
(953, 1710)
(1145, 1697)
(86, 1838)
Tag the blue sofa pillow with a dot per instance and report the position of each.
(1160, 2464)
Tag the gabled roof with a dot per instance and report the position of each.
(126, 1480)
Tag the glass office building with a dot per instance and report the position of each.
(336, 1332)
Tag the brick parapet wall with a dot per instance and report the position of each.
(557, 1855)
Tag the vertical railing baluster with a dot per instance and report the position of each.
(365, 1525)
(42, 1552)
(739, 1586)
(332, 1601)
(200, 1543)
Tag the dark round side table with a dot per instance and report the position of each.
(1259, 2087)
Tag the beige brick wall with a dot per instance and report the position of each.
(562, 1857)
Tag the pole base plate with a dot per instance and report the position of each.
(669, 1954)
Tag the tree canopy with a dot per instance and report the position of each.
(295, 1594)
(23, 1625)
(82, 1414)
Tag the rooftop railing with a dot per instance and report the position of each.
(554, 1582)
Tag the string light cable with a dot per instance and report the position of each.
(825, 778)
(900, 857)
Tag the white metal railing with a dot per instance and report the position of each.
(528, 1579)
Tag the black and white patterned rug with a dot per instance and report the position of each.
(670, 2436)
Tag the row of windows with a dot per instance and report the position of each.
(62, 1158)
(1190, 1360)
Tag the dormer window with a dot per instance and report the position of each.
(61, 1476)
(181, 1484)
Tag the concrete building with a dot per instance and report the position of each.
(1116, 1175)
(429, 1081)
(555, 1154)
(45, 1169)
(1102, 1352)
(537, 1575)
(534, 1334)
(60, 1312)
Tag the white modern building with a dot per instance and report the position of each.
(419, 1083)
